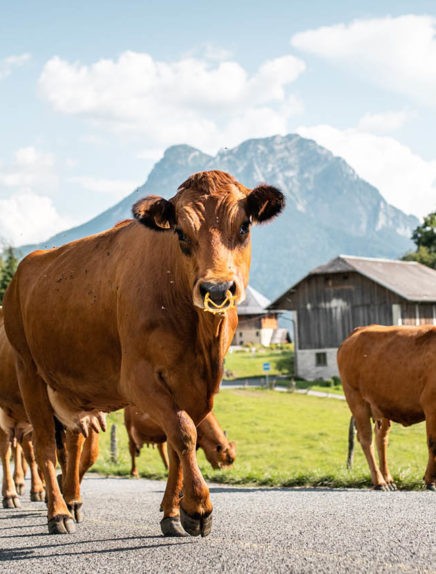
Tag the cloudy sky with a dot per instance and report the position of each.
(92, 93)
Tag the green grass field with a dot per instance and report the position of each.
(248, 362)
(284, 439)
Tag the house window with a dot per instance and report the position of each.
(320, 359)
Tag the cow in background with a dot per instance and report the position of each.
(389, 374)
(219, 451)
(15, 430)
(141, 314)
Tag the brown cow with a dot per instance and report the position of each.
(140, 314)
(389, 374)
(14, 428)
(210, 437)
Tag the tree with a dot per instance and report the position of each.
(8, 266)
(424, 237)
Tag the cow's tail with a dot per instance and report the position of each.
(351, 435)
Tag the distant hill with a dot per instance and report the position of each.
(329, 210)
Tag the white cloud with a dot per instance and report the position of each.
(27, 213)
(384, 122)
(115, 188)
(192, 100)
(27, 217)
(11, 62)
(29, 168)
(397, 53)
(404, 179)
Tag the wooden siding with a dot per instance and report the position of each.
(330, 306)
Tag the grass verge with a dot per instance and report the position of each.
(283, 439)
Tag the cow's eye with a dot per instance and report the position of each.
(244, 229)
(181, 235)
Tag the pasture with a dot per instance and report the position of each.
(283, 439)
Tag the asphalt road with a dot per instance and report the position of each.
(255, 530)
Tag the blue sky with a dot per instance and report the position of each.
(92, 93)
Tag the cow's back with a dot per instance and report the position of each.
(390, 368)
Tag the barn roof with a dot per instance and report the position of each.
(408, 279)
(254, 304)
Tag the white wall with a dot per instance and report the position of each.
(306, 364)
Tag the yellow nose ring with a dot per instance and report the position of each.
(219, 309)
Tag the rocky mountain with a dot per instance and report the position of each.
(329, 209)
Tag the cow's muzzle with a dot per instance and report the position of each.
(218, 297)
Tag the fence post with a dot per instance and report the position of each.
(114, 445)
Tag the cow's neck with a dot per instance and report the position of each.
(214, 335)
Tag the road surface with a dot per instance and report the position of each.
(255, 530)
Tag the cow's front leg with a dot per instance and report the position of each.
(170, 523)
(195, 506)
(34, 392)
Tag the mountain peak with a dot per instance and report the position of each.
(330, 210)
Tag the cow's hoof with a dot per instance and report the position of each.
(76, 510)
(61, 524)
(392, 486)
(37, 496)
(11, 502)
(171, 526)
(20, 488)
(431, 486)
(196, 526)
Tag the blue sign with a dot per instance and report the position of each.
(266, 367)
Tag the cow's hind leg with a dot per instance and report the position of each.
(37, 491)
(74, 442)
(430, 472)
(134, 452)
(19, 467)
(163, 451)
(382, 428)
(34, 392)
(362, 417)
(89, 454)
(9, 492)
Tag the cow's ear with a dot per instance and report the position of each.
(155, 212)
(264, 202)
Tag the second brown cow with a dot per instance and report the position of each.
(219, 451)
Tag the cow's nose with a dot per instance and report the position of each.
(217, 291)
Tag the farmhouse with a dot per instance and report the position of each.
(347, 292)
(256, 323)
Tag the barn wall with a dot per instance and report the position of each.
(330, 306)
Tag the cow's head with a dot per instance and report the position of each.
(210, 217)
(221, 454)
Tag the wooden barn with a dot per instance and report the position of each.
(348, 292)
(256, 323)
